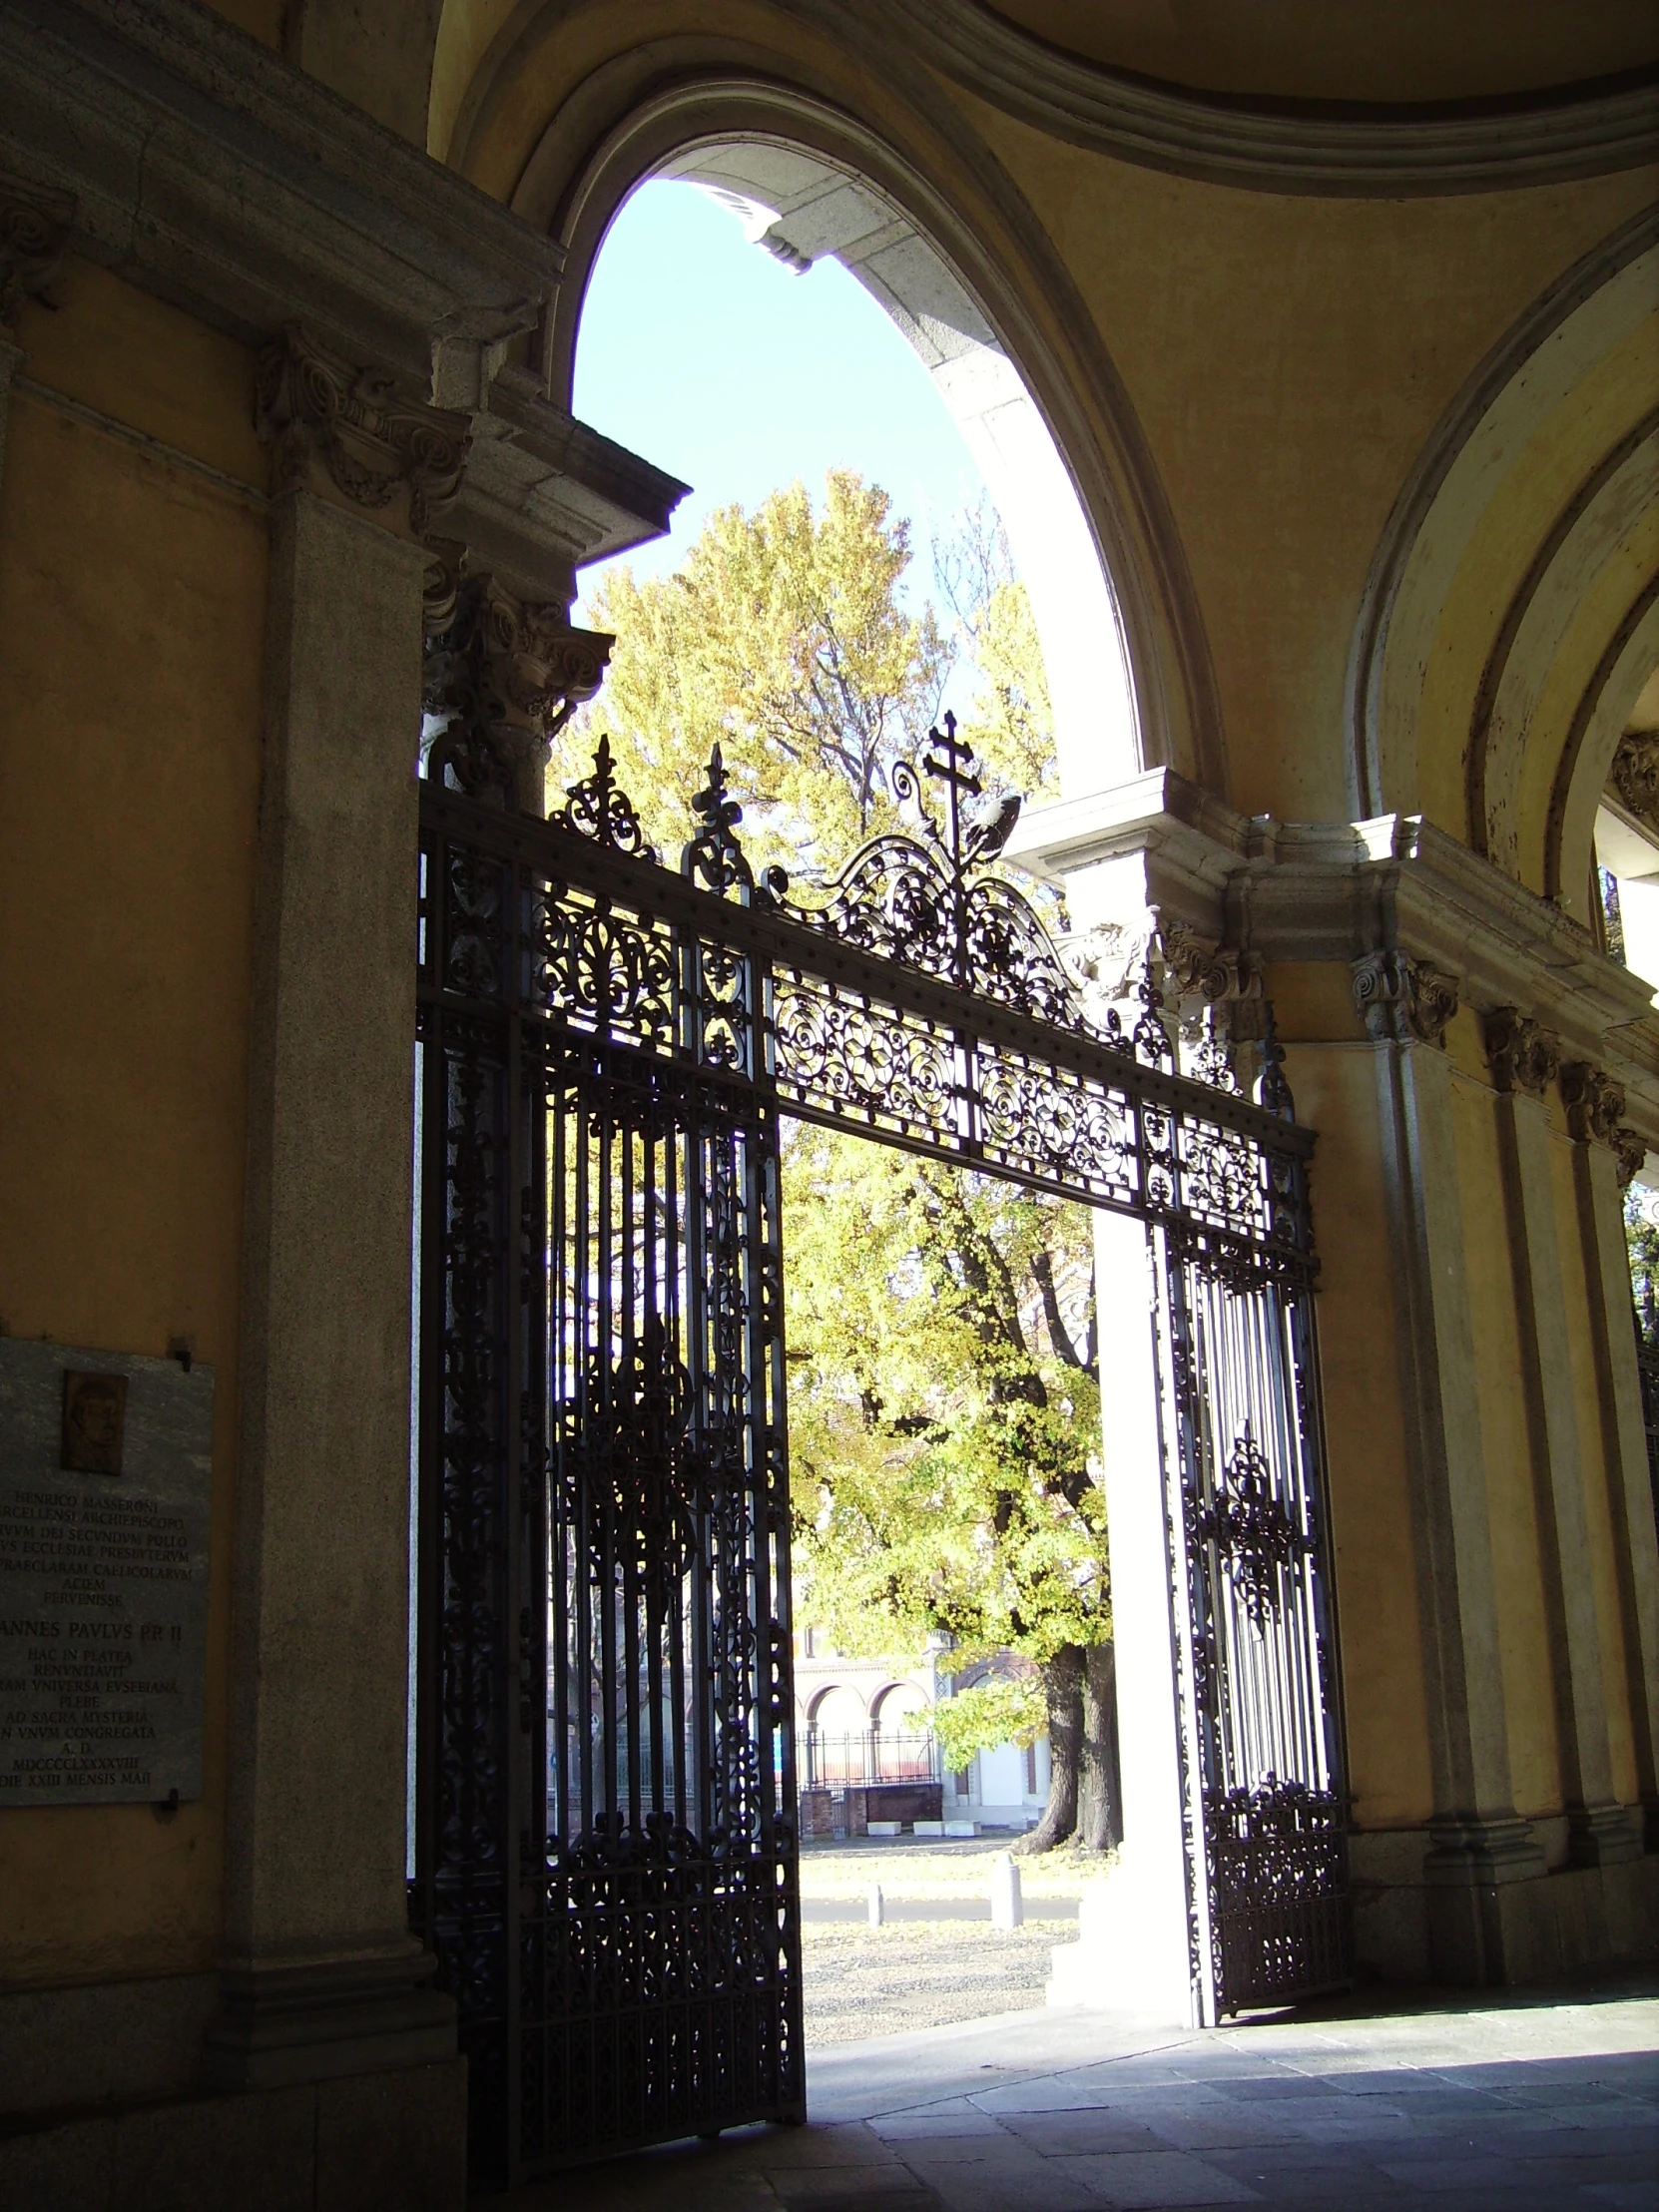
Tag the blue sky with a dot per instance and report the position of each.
(706, 356)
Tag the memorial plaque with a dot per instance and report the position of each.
(105, 1464)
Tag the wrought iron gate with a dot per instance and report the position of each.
(605, 1781)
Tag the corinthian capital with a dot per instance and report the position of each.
(1595, 1103)
(34, 227)
(1524, 1055)
(503, 677)
(328, 421)
(1199, 967)
(1636, 774)
(1403, 1000)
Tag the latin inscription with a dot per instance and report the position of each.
(103, 1578)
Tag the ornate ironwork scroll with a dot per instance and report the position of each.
(1264, 1797)
(606, 1853)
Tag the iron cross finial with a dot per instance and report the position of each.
(955, 772)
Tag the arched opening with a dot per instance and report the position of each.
(802, 208)
(1511, 620)
(1127, 665)
(654, 1231)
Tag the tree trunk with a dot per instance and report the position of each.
(1064, 1695)
(1099, 1807)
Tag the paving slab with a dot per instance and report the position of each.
(1536, 2102)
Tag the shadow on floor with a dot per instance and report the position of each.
(1538, 2100)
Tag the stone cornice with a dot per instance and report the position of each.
(543, 492)
(1290, 146)
(168, 145)
(1348, 891)
(210, 171)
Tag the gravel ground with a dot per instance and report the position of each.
(918, 1973)
(863, 1980)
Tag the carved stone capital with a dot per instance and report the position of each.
(1524, 1056)
(34, 227)
(1403, 999)
(1199, 967)
(1595, 1102)
(1631, 1148)
(329, 421)
(502, 677)
(1635, 774)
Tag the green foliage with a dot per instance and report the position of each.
(1005, 1710)
(783, 640)
(1010, 724)
(1641, 1237)
(943, 1405)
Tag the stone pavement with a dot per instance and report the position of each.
(1534, 2102)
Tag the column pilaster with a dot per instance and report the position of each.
(320, 1976)
(1477, 1840)
(1524, 1059)
(1605, 1156)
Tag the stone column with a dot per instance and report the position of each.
(1524, 1058)
(1478, 1843)
(1605, 1157)
(320, 1976)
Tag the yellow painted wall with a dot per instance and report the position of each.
(1288, 358)
(132, 599)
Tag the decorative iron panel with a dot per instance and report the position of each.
(1265, 1807)
(606, 1850)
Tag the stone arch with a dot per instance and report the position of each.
(822, 1700)
(952, 248)
(891, 1703)
(1511, 616)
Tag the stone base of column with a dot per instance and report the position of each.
(314, 2021)
(1467, 1853)
(1603, 1835)
(363, 2143)
(1473, 1904)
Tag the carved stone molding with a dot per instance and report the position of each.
(1199, 967)
(326, 418)
(1635, 774)
(209, 170)
(34, 230)
(1595, 1102)
(1403, 999)
(1280, 145)
(1524, 1055)
(1631, 1148)
(502, 677)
